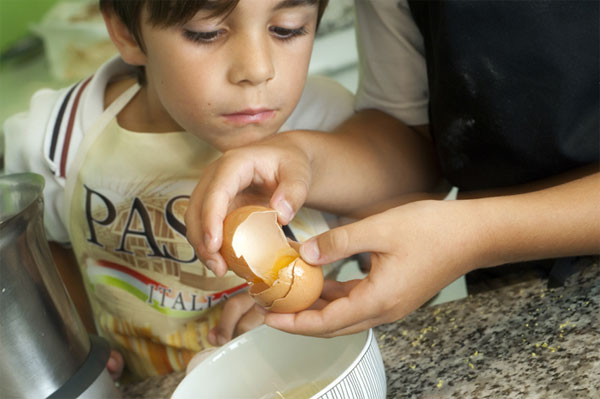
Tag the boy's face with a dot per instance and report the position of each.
(231, 81)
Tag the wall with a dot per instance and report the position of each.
(17, 15)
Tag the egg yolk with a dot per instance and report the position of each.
(270, 276)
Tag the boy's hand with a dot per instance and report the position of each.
(273, 173)
(240, 314)
(115, 364)
(417, 249)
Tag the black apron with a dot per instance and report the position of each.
(514, 88)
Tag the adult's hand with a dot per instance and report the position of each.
(419, 248)
(416, 250)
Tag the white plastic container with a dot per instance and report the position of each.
(76, 41)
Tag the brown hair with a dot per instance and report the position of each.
(165, 13)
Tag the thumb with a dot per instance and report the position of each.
(339, 243)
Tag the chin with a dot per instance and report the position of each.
(226, 137)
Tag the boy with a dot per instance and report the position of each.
(122, 150)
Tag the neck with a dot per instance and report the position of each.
(144, 113)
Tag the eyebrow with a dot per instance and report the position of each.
(294, 3)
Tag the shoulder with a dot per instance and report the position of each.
(324, 104)
(57, 119)
(392, 14)
(43, 138)
(391, 50)
(25, 133)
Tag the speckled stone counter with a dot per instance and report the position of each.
(519, 341)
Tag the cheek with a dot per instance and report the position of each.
(180, 72)
(293, 70)
(185, 92)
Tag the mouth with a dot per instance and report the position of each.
(249, 116)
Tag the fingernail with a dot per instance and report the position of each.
(285, 210)
(212, 336)
(207, 240)
(211, 264)
(221, 340)
(310, 251)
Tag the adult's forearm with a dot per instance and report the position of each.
(369, 158)
(562, 220)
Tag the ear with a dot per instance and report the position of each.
(123, 39)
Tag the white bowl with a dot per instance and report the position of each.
(269, 364)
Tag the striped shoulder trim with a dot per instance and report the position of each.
(58, 149)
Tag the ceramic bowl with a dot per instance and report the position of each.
(269, 364)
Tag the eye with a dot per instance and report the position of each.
(202, 37)
(286, 33)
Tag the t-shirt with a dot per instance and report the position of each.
(393, 76)
(151, 297)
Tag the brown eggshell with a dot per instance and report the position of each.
(230, 225)
(253, 243)
(265, 295)
(304, 291)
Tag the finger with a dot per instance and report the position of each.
(208, 207)
(212, 336)
(193, 212)
(354, 328)
(233, 311)
(198, 358)
(366, 235)
(360, 307)
(319, 304)
(231, 176)
(333, 290)
(294, 244)
(250, 320)
(212, 260)
(292, 190)
(115, 364)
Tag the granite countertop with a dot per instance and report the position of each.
(519, 341)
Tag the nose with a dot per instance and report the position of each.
(252, 61)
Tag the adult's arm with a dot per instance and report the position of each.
(371, 157)
(368, 158)
(420, 247)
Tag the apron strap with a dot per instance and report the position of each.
(89, 138)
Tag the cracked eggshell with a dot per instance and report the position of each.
(265, 295)
(305, 289)
(235, 259)
(253, 241)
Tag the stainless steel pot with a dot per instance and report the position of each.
(44, 348)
